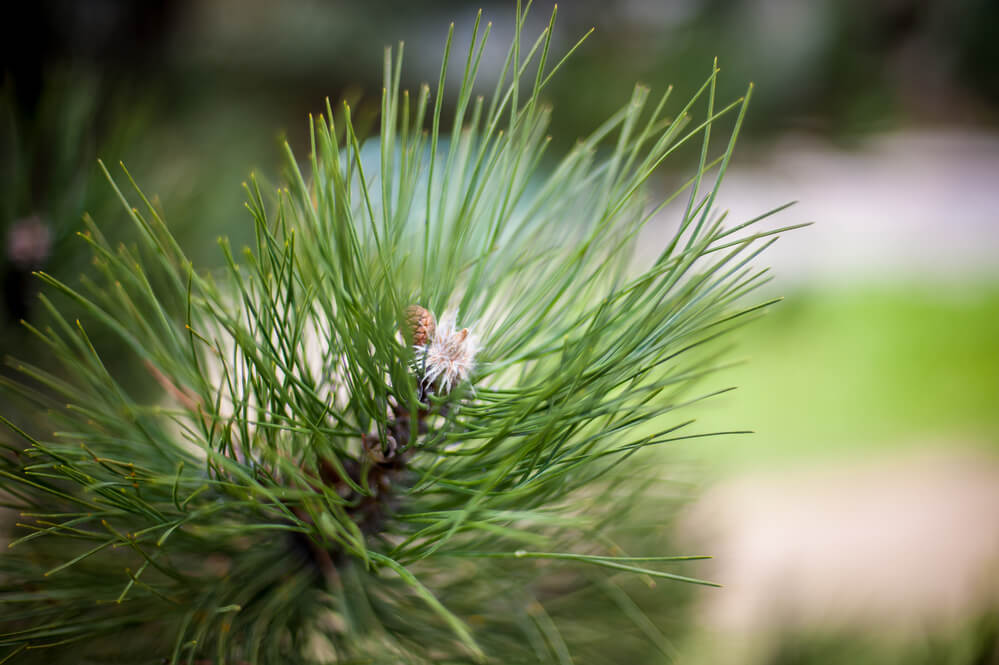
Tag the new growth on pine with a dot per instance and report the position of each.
(410, 423)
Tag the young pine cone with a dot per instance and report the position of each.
(420, 324)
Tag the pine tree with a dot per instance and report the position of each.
(403, 426)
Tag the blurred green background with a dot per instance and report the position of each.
(880, 117)
(847, 370)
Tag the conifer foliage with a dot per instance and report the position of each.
(401, 427)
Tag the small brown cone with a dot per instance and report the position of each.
(421, 324)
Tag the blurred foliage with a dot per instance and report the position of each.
(976, 644)
(838, 68)
(50, 140)
(46, 173)
(842, 69)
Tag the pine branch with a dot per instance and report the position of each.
(324, 477)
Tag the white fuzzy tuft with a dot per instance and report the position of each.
(449, 356)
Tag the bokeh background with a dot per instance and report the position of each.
(861, 522)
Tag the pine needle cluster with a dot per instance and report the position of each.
(300, 491)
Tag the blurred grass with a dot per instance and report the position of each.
(859, 370)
